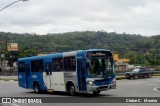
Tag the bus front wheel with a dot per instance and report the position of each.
(72, 90)
(37, 88)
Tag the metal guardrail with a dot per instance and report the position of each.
(14, 72)
(8, 72)
(123, 73)
(156, 72)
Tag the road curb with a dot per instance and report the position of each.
(7, 80)
(123, 77)
(1, 79)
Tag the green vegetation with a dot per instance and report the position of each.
(120, 77)
(141, 50)
(156, 74)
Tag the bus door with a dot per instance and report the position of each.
(81, 74)
(27, 67)
(48, 74)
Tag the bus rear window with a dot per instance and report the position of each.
(21, 67)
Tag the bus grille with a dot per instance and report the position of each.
(102, 87)
(100, 80)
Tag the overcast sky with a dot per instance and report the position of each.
(58, 16)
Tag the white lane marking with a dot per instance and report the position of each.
(157, 89)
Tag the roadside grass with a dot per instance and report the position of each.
(156, 74)
(5, 79)
(120, 77)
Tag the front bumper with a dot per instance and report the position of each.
(100, 88)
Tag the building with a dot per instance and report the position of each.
(121, 64)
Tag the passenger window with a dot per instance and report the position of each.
(70, 64)
(57, 64)
(48, 67)
(37, 66)
(32, 66)
(21, 67)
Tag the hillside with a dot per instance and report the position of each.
(79, 40)
(127, 45)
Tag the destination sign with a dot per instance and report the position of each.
(98, 54)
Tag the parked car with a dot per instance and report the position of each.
(139, 72)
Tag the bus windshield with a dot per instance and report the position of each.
(99, 65)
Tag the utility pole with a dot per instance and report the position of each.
(156, 50)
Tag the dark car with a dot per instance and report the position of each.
(139, 72)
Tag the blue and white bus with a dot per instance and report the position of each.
(82, 71)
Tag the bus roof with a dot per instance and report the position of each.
(97, 50)
(60, 54)
(40, 57)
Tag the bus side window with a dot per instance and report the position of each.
(70, 63)
(21, 67)
(37, 66)
(73, 64)
(32, 66)
(57, 64)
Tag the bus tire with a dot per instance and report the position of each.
(72, 90)
(37, 88)
(96, 92)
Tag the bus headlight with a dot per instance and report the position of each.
(90, 83)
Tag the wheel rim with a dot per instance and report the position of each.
(72, 90)
(36, 88)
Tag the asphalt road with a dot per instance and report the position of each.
(125, 88)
